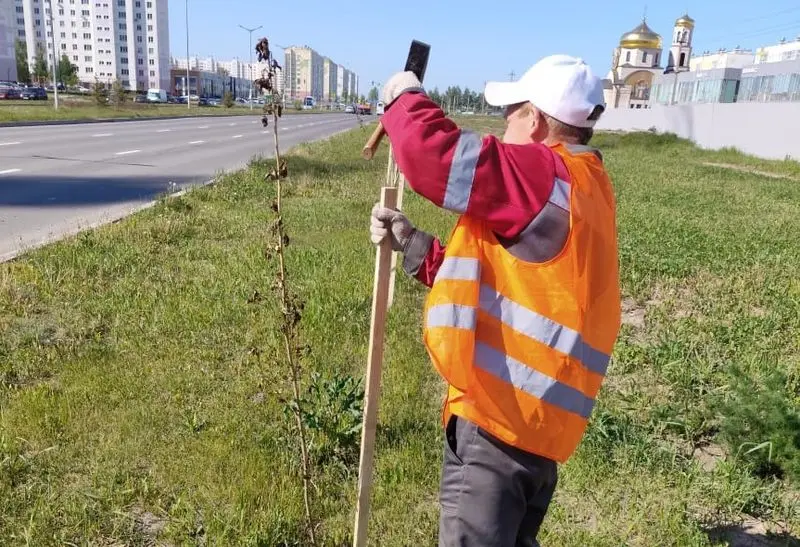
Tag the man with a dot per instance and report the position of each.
(524, 306)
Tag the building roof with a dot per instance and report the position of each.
(642, 37)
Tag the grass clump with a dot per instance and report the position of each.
(138, 365)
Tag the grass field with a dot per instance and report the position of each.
(81, 108)
(141, 366)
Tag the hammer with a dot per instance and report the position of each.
(417, 62)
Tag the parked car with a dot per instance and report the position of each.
(33, 94)
(8, 92)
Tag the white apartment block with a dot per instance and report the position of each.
(785, 50)
(8, 28)
(108, 40)
(307, 73)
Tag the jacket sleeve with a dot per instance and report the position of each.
(422, 257)
(458, 170)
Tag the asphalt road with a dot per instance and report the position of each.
(58, 179)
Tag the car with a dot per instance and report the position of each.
(33, 94)
(9, 92)
(349, 109)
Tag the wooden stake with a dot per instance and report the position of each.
(380, 305)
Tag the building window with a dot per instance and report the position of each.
(644, 56)
(628, 57)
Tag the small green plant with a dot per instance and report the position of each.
(117, 94)
(99, 92)
(332, 410)
(227, 99)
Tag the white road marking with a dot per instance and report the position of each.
(237, 136)
(231, 124)
(9, 143)
(163, 130)
(9, 171)
(103, 135)
(127, 152)
(203, 127)
(266, 132)
(197, 142)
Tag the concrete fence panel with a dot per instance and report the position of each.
(767, 130)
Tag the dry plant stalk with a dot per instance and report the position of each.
(290, 306)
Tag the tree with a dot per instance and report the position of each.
(40, 68)
(117, 93)
(99, 92)
(67, 72)
(227, 99)
(345, 97)
(21, 54)
(373, 95)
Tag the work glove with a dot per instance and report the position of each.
(386, 221)
(399, 84)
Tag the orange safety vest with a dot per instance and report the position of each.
(524, 346)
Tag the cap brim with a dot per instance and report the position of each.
(504, 93)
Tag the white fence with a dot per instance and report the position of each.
(767, 130)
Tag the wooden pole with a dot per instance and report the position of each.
(380, 305)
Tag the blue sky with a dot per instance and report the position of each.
(471, 41)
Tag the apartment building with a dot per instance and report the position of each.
(108, 40)
(307, 73)
(238, 75)
(8, 27)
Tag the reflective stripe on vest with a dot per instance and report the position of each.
(559, 196)
(462, 171)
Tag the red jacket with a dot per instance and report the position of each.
(503, 184)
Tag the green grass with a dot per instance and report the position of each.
(83, 108)
(139, 373)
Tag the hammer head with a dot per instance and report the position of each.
(417, 61)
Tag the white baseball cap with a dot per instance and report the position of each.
(561, 86)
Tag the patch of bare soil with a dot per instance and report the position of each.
(752, 532)
(632, 313)
(709, 455)
(746, 169)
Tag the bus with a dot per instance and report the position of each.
(309, 103)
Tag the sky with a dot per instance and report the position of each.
(471, 41)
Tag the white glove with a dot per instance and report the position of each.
(385, 221)
(398, 84)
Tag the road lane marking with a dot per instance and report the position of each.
(197, 142)
(103, 135)
(9, 143)
(266, 132)
(237, 136)
(9, 171)
(203, 127)
(127, 152)
(163, 130)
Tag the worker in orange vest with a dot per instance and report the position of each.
(524, 303)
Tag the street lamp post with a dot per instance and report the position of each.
(55, 55)
(251, 30)
(188, 94)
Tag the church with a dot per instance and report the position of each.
(637, 61)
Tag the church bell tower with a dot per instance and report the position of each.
(681, 49)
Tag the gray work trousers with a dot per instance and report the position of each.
(491, 494)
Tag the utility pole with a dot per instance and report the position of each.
(511, 76)
(188, 94)
(55, 54)
(251, 30)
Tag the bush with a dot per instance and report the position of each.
(227, 99)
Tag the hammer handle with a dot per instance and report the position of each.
(372, 144)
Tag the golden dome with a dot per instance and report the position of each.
(642, 37)
(684, 21)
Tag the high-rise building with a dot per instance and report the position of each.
(8, 27)
(330, 79)
(307, 73)
(108, 40)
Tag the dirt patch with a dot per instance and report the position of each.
(709, 456)
(147, 523)
(751, 532)
(632, 313)
(746, 169)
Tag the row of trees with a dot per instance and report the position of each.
(454, 99)
(40, 72)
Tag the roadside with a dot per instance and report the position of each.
(142, 378)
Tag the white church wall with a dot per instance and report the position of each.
(767, 130)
